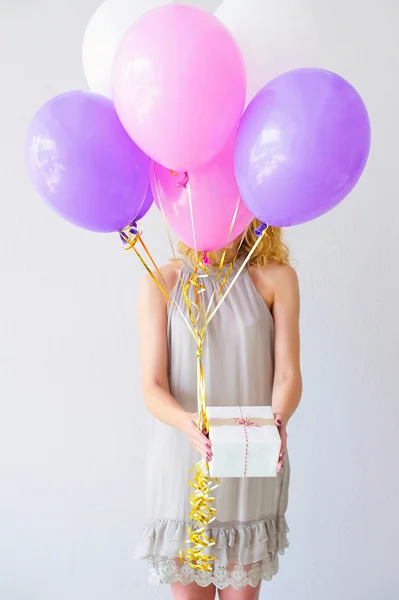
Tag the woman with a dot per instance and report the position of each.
(251, 357)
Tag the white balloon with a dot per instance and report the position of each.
(104, 33)
(275, 36)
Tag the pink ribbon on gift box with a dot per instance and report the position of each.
(243, 422)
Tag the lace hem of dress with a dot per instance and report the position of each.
(164, 570)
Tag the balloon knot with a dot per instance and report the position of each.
(259, 230)
(205, 259)
(124, 237)
(183, 181)
(133, 229)
(130, 234)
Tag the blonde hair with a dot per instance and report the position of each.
(272, 248)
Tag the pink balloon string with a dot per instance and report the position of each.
(245, 422)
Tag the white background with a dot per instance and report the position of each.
(72, 423)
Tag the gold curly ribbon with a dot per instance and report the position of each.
(202, 513)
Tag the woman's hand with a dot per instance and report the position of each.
(198, 440)
(282, 429)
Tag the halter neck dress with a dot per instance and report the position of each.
(250, 528)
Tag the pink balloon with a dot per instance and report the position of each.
(215, 196)
(179, 85)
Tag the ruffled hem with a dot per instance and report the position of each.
(166, 570)
(245, 544)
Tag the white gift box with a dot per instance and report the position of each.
(245, 441)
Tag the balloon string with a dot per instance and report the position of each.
(151, 259)
(240, 270)
(218, 292)
(228, 238)
(190, 202)
(130, 237)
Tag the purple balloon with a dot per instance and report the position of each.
(84, 164)
(301, 146)
(148, 201)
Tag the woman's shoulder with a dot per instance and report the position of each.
(165, 278)
(171, 270)
(275, 271)
(274, 278)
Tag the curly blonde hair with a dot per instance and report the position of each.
(272, 248)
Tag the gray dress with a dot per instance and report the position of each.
(250, 528)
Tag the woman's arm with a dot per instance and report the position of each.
(287, 388)
(279, 287)
(152, 313)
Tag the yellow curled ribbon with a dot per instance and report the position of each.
(202, 511)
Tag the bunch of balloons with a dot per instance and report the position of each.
(233, 103)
